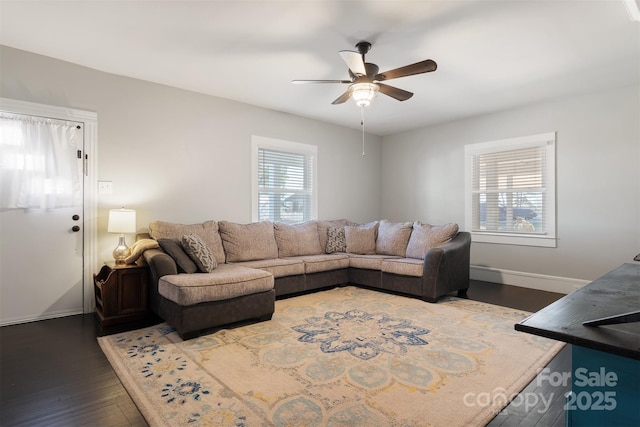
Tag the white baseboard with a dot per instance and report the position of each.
(542, 282)
(36, 317)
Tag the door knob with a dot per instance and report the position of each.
(75, 217)
(75, 228)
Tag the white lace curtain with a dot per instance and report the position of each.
(39, 165)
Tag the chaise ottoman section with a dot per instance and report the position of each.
(192, 303)
(225, 282)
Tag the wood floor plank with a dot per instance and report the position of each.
(73, 384)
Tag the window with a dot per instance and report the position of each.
(40, 160)
(284, 180)
(510, 191)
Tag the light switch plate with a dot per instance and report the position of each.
(105, 187)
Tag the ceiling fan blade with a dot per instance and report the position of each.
(304, 82)
(354, 62)
(425, 66)
(342, 98)
(394, 92)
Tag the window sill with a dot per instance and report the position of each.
(514, 239)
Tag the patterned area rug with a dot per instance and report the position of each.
(343, 357)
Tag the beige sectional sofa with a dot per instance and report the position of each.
(216, 273)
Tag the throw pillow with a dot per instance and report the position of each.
(138, 248)
(199, 252)
(393, 238)
(248, 242)
(426, 236)
(174, 249)
(361, 239)
(297, 239)
(336, 240)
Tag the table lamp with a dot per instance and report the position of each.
(121, 221)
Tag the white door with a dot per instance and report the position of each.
(41, 247)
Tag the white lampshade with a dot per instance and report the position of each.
(363, 93)
(122, 221)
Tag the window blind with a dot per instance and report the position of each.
(285, 186)
(510, 190)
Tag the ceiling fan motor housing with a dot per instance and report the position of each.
(372, 70)
(363, 47)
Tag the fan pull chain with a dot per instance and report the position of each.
(362, 124)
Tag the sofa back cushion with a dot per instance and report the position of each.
(248, 242)
(361, 239)
(393, 237)
(208, 232)
(297, 239)
(426, 236)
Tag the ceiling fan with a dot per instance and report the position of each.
(366, 81)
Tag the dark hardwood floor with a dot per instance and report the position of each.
(53, 372)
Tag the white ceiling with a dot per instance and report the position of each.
(492, 55)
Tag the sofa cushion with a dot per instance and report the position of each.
(404, 266)
(336, 240)
(323, 227)
(368, 262)
(323, 262)
(225, 282)
(199, 252)
(248, 242)
(279, 267)
(208, 232)
(174, 248)
(297, 239)
(361, 239)
(426, 236)
(393, 237)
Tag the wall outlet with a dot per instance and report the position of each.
(105, 187)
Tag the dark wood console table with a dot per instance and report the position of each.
(605, 358)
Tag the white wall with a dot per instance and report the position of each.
(598, 180)
(180, 156)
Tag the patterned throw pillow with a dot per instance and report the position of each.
(336, 240)
(199, 252)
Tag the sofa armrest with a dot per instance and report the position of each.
(446, 268)
(160, 264)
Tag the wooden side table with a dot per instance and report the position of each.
(121, 293)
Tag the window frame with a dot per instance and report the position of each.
(547, 140)
(260, 142)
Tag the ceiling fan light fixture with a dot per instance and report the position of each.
(363, 93)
